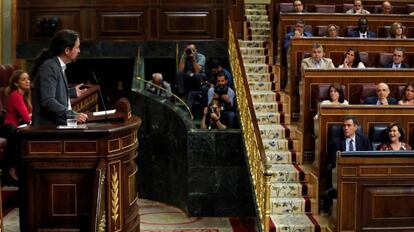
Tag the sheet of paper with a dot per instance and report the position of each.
(102, 113)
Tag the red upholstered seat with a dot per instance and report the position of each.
(347, 6)
(321, 8)
(409, 8)
(384, 59)
(286, 7)
(367, 90)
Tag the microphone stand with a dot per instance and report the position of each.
(100, 95)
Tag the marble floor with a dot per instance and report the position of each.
(159, 217)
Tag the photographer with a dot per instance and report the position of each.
(225, 96)
(211, 117)
(190, 70)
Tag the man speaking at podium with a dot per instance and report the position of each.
(51, 95)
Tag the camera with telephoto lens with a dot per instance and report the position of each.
(221, 90)
(189, 51)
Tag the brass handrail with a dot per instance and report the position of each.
(258, 163)
(172, 94)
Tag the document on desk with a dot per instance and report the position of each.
(103, 113)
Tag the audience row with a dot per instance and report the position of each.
(352, 59)
(395, 31)
(356, 8)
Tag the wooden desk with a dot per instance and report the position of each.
(375, 192)
(352, 80)
(80, 179)
(367, 116)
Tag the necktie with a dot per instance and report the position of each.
(351, 145)
(364, 36)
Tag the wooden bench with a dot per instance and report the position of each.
(300, 46)
(352, 81)
(375, 192)
(368, 116)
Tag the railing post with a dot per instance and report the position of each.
(267, 175)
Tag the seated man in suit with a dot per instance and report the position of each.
(362, 30)
(382, 97)
(317, 60)
(357, 9)
(299, 32)
(386, 7)
(298, 7)
(398, 59)
(350, 140)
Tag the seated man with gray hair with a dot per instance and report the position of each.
(317, 59)
(159, 87)
(382, 97)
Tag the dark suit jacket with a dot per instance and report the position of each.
(355, 33)
(290, 35)
(338, 144)
(403, 65)
(50, 94)
(373, 100)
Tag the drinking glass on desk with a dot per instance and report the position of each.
(71, 121)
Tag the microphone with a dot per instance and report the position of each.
(100, 94)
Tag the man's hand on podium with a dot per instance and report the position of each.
(81, 117)
(80, 89)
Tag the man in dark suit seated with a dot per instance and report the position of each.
(362, 30)
(350, 140)
(398, 59)
(298, 7)
(382, 97)
(298, 32)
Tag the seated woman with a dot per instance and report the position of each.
(332, 31)
(352, 60)
(396, 31)
(394, 140)
(335, 96)
(407, 97)
(19, 105)
(211, 117)
(18, 111)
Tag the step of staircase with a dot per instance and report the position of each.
(293, 222)
(261, 11)
(255, 59)
(262, 24)
(260, 86)
(253, 51)
(292, 205)
(252, 44)
(257, 18)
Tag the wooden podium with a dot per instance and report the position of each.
(80, 179)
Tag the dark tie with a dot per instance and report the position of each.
(351, 145)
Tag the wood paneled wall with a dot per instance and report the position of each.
(136, 20)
